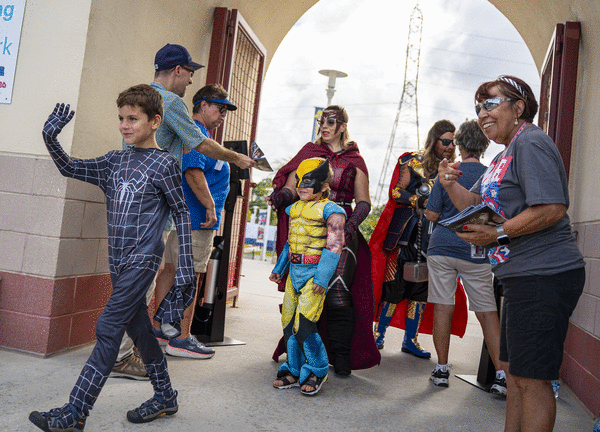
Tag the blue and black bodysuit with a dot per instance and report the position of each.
(142, 186)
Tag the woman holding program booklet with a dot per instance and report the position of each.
(535, 257)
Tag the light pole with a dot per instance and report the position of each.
(332, 74)
(263, 252)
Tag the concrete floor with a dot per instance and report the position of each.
(233, 391)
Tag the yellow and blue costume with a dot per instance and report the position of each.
(309, 263)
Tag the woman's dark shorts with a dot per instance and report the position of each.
(535, 319)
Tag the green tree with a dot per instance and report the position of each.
(260, 192)
(368, 225)
(259, 198)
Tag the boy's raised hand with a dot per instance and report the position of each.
(61, 115)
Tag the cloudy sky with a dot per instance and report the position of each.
(464, 43)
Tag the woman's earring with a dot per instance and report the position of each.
(516, 121)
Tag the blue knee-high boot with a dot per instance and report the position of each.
(387, 312)
(295, 356)
(414, 314)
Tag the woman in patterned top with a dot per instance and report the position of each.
(536, 258)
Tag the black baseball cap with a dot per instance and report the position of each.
(172, 55)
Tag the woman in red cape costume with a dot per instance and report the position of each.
(363, 352)
(379, 257)
(393, 244)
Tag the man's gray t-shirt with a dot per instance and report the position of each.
(530, 172)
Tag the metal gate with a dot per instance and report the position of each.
(559, 88)
(236, 61)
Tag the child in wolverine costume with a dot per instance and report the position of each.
(315, 242)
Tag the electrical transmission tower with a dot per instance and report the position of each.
(408, 112)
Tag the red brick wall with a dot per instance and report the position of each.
(44, 316)
(581, 367)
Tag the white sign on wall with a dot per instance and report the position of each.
(11, 21)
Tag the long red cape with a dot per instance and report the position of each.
(379, 257)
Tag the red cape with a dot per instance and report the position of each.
(318, 150)
(379, 257)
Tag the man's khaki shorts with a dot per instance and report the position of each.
(202, 246)
(477, 280)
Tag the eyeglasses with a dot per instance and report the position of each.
(222, 108)
(446, 142)
(490, 104)
(330, 121)
(191, 71)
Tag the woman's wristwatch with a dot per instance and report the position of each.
(502, 238)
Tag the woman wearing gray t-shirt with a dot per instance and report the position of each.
(536, 257)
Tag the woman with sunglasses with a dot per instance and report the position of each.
(349, 301)
(536, 258)
(402, 303)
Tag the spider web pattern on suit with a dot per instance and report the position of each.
(134, 182)
(135, 195)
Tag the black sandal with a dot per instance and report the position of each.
(285, 378)
(315, 382)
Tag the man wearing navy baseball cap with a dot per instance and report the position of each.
(174, 69)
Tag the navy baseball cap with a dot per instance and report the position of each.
(172, 55)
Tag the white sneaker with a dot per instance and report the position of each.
(439, 377)
(499, 386)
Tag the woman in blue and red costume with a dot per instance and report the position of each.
(402, 303)
(346, 321)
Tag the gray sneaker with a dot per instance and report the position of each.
(499, 387)
(439, 377)
(131, 367)
(189, 347)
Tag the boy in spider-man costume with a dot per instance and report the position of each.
(315, 242)
(142, 184)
